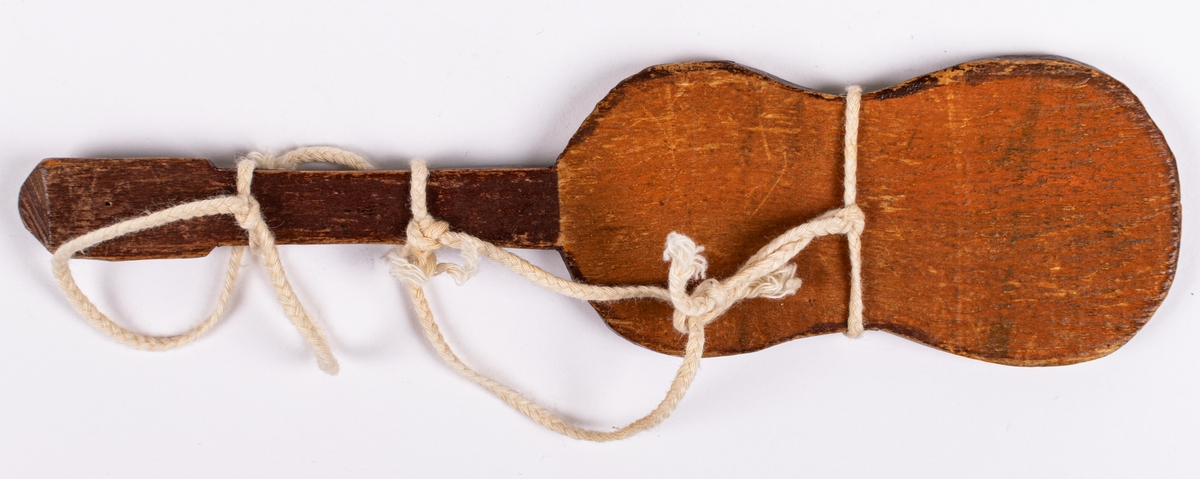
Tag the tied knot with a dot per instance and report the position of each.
(688, 264)
(416, 261)
(265, 161)
(249, 216)
(853, 216)
(248, 213)
(426, 234)
(711, 298)
(707, 298)
(847, 220)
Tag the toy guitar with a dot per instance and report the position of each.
(1023, 211)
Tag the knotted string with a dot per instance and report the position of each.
(767, 274)
(246, 210)
(854, 318)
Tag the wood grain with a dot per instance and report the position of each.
(514, 207)
(1020, 211)
(1023, 211)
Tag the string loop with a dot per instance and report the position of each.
(768, 274)
(246, 210)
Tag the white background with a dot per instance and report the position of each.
(485, 84)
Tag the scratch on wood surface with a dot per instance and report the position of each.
(782, 169)
(963, 263)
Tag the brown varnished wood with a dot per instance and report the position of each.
(737, 159)
(514, 207)
(1058, 240)
(1019, 210)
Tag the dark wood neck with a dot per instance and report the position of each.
(65, 198)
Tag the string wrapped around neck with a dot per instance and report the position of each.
(244, 207)
(767, 274)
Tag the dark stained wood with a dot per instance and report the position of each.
(1022, 211)
(516, 207)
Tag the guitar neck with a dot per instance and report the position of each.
(65, 198)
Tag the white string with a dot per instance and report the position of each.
(854, 317)
(246, 210)
(767, 274)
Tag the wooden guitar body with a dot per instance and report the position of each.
(1022, 211)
